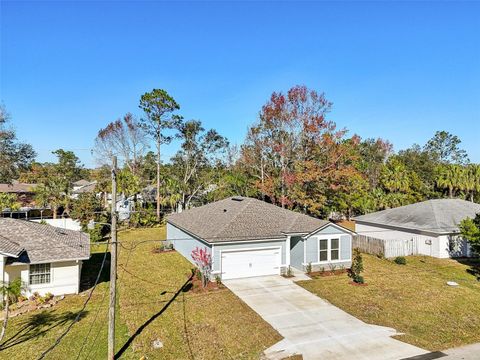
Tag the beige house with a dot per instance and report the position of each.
(47, 259)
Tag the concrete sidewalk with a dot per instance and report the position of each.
(313, 327)
(468, 352)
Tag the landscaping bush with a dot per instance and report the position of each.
(400, 260)
(357, 267)
(289, 272)
(308, 268)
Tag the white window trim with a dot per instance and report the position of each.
(40, 284)
(329, 249)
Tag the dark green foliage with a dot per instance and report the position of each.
(470, 230)
(15, 156)
(357, 267)
(400, 260)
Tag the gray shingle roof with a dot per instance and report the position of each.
(437, 216)
(39, 243)
(17, 187)
(87, 188)
(243, 218)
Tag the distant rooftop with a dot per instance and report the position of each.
(440, 216)
(17, 187)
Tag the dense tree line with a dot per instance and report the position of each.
(293, 155)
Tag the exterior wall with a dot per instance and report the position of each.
(184, 243)
(64, 223)
(218, 248)
(64, 278)
(296, 252)
(312, 249)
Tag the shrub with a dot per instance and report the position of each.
(308, 268)
(400, 260)
(289, 272)
(158, 248)
(218, 280)
(332, 267)
(357, 267)
(48, 296)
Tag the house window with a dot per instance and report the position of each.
(329, 250)
(323, 248)
(39, 274)
(335, 249)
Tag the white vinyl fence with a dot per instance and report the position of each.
(64, 223)
(387, 248)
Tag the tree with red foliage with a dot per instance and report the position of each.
(203, 260)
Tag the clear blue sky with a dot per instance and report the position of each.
(398, 70)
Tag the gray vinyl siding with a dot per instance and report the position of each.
(345, 248)
(217, 248)
(296, 253)
(184, 243)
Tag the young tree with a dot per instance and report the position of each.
(10, 293)
(357, 267)
(159, 107)
(15, 156)
(125, 138)
(203, 260)
(446, 148)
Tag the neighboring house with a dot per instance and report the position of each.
(25, 196)
(432, 226)
(82, 187)
(247, 237)
(46, 258)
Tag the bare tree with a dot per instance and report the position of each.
(125, 138)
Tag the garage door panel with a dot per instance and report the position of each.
(248, 263)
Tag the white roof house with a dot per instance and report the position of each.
(47, 259)
(432, 224)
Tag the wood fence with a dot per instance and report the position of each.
(387, 248)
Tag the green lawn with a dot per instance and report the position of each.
(30, 334)
(413, 299)
(214, 325)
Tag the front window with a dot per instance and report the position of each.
(329, 250)
(323, 250)
(39, 274)
(334, 251)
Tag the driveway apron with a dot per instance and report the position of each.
(313, 327)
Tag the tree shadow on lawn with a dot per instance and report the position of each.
(90, 269)
(184, 288)
(474, 264)
(38, 325)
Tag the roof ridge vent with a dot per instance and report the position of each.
(237, 198)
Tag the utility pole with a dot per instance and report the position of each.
(113, 265)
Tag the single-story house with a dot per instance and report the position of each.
(431, 225)
(47, 259)
(247, 237)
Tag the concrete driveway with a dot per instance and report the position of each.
(313, 327)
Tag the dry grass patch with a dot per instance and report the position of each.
(212, 325)
(414, 299)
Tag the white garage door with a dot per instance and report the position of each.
(248, 263)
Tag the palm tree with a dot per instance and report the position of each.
(10, 292)
(445, 179)
(50, 194)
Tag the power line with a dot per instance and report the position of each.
(77, 318)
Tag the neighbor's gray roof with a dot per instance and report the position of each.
(88, 188)
(243, 218)
(81, 182)
(39, 243)
(437, 216)
(16, 187)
